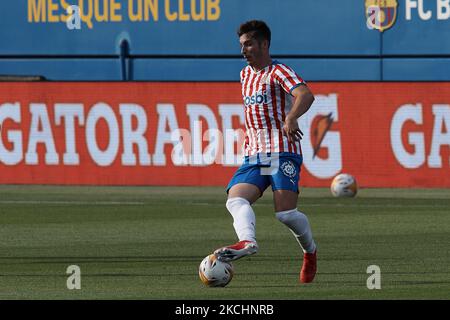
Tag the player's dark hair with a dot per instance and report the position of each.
(257, 29)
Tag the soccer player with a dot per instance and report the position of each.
(274, 98)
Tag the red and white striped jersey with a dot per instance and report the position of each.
(267, 101)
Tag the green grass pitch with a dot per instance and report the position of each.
(147, 243)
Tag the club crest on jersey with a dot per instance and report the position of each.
(381, 14)
(259, 97)
(288, 169)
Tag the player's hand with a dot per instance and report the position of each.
(291, 130)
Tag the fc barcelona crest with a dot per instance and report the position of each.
(381, 14)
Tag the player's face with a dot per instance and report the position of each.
(251, 49)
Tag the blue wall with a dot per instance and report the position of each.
(320, 39)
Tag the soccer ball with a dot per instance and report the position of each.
(215, 273)
(344, 185)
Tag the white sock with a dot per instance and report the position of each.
(298, 223)
(243, 218)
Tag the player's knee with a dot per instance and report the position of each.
(235, 203)
(290, 215)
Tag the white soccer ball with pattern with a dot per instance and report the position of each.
(344, 185)
(215, 273)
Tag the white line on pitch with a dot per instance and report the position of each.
(92, 203)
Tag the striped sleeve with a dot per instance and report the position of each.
(287, 78)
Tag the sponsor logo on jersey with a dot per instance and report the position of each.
(257, 98)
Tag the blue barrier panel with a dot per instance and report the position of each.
(333, 69)
(414, 69)
(161, 27)
(421, 28)
(184, 69)
(64, 69)
(195, 40)
(228, 69)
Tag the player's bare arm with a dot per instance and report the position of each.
(303, 101)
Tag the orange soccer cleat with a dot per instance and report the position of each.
(309, 267)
